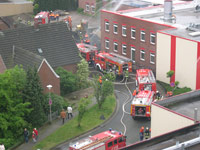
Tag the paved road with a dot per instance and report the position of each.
(131, 128)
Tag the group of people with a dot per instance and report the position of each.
(69, 114)
(34, 135)
(144, 134)
(2, 147)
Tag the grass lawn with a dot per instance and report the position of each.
(90, 120)
(177, 91)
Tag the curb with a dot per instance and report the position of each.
(57, 147)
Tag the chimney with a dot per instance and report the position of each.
(168, 11)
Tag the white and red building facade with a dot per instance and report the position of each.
(180, 54)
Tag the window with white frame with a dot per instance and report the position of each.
(87, 7)
(115, 28)
(152, 58)
(107, 26)
(123, 30)
(93, 8)
(107, 43)
(142, 55)
(152, 38)
(133, 33)
(115, 46)
(133, 53)
(124, 49)
(142, 36)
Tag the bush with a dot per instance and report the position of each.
(68, 81)
(177, 91)
(36, 9)
(80, 10)
(58, 103)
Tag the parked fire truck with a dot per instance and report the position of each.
(145, 80)
(87, 51)
(107, 140)
(141, 104)
(42, 17)
(110, 62)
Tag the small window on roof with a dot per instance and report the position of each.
(40, 50)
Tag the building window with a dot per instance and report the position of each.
(107, 44)
(123, 30)
(124, 49)
(152, 58)
(133, 53)
(142, 55)
(93, 8)
(142, 36)
(115, 28)
(133, 33)
(115, 46)
(107, 26)
(152, 38)
(87, 7)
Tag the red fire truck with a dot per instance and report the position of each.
(87, 51)
(42, 17)
(110, 62)
(107, 140)
(145, 80)
(141, 104)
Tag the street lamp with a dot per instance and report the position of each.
(50, 101)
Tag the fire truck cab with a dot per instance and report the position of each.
(145, 80)
(141, 104)
(107, 140)
(110, 62)
(42, 17)
(87, 51)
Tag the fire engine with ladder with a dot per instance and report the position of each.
(110, 62)
(145, 80)
(107, 140)
(87, 51)
(141, 104)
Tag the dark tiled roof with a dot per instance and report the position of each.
(26, 58)
(54, 39)
(2, 65)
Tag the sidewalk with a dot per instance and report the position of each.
(46, 130)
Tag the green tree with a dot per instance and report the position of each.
(12, 108)
(82, 108)
(82, 74)
(33, 93)
(101, 91)
(68, 82)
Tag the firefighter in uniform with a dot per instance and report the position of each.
(126, 74)
(147, 133)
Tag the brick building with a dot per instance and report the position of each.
(47, 47)
(127, 34)
(89, 6)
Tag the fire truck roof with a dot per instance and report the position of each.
(96, 140)
(112, 57)
(145, 76)
(42, 14)
(143, 98)
(86, 47)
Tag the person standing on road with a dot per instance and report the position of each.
(2, 147)
(63, 115)
(36, 133)
(147, 133)
(69, 111)
(26, 134)
(141, 133)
